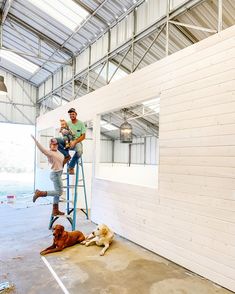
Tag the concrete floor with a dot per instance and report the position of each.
(125, 269)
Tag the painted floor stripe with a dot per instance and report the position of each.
(55, 275)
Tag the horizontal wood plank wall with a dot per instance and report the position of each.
(191, 218)
(197, 163)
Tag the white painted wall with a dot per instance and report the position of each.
(135, 174)
(190, 219)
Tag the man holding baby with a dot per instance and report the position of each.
(79, 130)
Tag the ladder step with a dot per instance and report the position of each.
(72, 186)
(66, 201)
(71, 205)
(64, 215)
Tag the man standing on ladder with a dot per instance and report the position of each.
(79, 130)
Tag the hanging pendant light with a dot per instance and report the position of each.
(3, 88)
(125, 131)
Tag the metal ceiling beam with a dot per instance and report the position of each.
(80, 26)
(119, 65)
(220, 16)
(5, 11)
(139, 36)
(18, 76)
(40, 35)
(187, 34)
(208, 30)
(150, 46)
(23, 54)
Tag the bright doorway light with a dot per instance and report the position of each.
(66, 12)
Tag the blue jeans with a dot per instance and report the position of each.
(65, 152)
(58, 186)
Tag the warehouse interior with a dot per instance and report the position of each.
(153, 83)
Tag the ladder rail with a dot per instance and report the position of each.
(84, 189)
(72, 211)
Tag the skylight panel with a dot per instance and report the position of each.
(104, 124)
(18, 61)
(153, 104)
(66, 12)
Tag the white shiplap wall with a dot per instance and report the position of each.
(191, 218)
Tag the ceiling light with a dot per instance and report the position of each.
(126, 130)
(124, 9)
(3, 88)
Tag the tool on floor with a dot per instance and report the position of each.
(71, 205)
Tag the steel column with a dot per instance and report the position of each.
(220, 15)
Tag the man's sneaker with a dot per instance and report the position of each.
(66, 159)
(71, 170)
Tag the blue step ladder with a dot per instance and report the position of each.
(71, 206)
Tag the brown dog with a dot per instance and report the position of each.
(63, 239)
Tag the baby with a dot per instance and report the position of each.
(67, 134)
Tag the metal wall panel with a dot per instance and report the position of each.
(18, 105)
(137, 151)
(82, 61)
(99, 49)
(67, 73)
(121, 152)
(149, 12)
(57, 79)
(48, 86)
(175, 3)
(105, 150)
(41, 90)
(122, 31)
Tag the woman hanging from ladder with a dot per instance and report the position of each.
(56, 159)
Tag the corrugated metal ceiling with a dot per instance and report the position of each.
(25, 21)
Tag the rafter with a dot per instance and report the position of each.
(6, 9)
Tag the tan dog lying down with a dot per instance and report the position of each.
(102, 236)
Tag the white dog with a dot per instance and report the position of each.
(102, 236)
